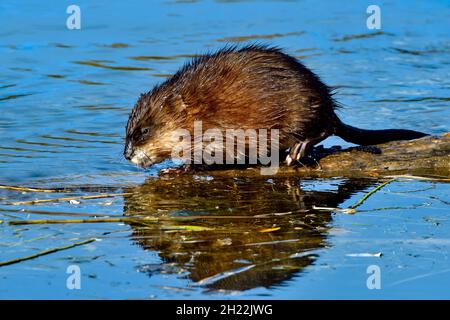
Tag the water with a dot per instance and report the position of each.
(64, 100)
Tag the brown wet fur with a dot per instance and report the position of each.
(254, 87)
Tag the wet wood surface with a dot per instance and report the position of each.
(429, 156)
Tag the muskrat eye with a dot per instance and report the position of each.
(145, 131)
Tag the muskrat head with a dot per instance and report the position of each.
(152, 126)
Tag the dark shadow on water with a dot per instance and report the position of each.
(267, 233)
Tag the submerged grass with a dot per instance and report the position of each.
(370, 193)
(135, 219)
(25, 189)
(99, 196)
(43, 253)
(352, 208)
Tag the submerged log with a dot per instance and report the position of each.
(425, 156)
(428, 156)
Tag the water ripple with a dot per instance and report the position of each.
(15, 96)
(46, 144)
(95, 63)
(256, 36)
(361, 36)
(413, 99)
(47, 136)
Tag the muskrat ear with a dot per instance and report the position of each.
(176, 103)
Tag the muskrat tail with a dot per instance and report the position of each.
(370, 137)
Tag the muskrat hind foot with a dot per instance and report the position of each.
(296, 153)
(175, 171)
(299, 152)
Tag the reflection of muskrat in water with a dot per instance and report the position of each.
(211, 257)
(255, 87)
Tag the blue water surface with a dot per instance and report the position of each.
(65, 96)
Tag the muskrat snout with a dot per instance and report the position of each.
(137, 155)
(128, 151)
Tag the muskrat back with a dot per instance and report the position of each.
(254, 87)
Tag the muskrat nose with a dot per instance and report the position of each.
(128, 151)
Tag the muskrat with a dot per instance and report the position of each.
(255, 87)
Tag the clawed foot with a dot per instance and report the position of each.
(174, 171)
(300, 149)
(296, 153)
